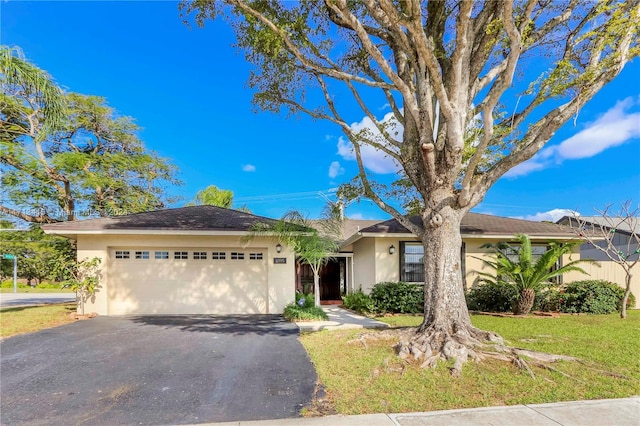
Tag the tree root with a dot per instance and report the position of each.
(426, 347)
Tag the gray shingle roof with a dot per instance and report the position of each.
(195, 218)
(483, 224)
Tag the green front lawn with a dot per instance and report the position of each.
(373, 380)
(20, 320)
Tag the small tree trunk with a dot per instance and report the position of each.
(446, 332)
(625, 299)
(525, 302)
(316, 288)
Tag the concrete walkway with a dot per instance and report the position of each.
(625, 411)
(340, 319)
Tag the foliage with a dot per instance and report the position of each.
(491, 297)
(359, 301)
(304, 309)
(615, 236)
(38, 254)
(525, 275)
(213, 196)
(83, 279)
(472, 88)
(91, 162)
(398, 297)
(590, 297)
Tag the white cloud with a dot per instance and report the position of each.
(357, 216)
(248, 168)
(613, 128)
(551, 215)
(374, 159)
(335, 170)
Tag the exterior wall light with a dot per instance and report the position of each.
(278, 248)
(392, 249)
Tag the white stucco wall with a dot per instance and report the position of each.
(280, 280)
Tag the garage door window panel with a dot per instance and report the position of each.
(161, 255)
(255, 256)
(142, 255)
(122, 254)
(218, 255)
(237, 256)
(181, 255)
(199, 255)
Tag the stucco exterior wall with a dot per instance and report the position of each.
(280, 278)
(364, 264)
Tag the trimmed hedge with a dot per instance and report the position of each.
(588, 296)
(491, 297)
(398, 297)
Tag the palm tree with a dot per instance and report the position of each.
(17, 72)
(524, 274)
(313, 243)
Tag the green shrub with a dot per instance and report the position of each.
(295, 312)
(305, 300)
(9, 284)
(398, 297)
(360, 302)
(592, 297)
(491, 297)
(51, 285)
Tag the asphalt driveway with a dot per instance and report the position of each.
(156, 370)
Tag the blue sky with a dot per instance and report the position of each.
(187, 89)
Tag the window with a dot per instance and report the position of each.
(411, 262)
(218, 255)
(181, 255)
(513, 254)
(161, 255)
(255, 256)
(237, 256)
(199, 255)
(142, 255)
(122, 254)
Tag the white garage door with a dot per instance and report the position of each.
(187, 281)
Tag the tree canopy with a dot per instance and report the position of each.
(65, 155)
(473, 88)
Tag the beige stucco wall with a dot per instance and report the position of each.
(280, 278)
(364, 264)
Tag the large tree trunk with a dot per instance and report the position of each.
(446, 332)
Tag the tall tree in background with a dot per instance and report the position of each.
(62, 154)
(213, 196)
(616, 235)
(38, 254)
(459, 120)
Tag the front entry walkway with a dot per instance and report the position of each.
(340, 319)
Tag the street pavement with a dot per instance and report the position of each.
(32, 299)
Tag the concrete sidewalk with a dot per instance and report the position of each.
(340, 319)
(605, 412)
